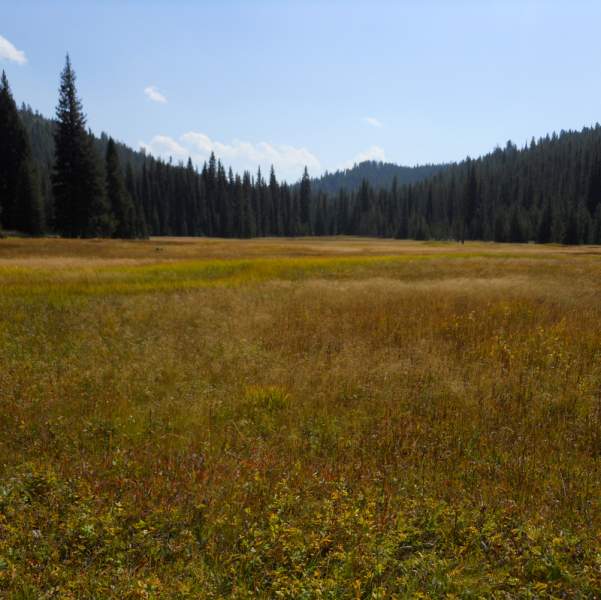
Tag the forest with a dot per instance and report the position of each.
(56, 177)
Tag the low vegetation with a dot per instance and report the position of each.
(299, 419)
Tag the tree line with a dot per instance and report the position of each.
(379, 175)
(56, 177)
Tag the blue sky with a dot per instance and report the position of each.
(321, 83)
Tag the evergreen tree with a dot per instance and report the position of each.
(517, 229)
(545, 225)
(14, 153)
(29, 214)
(305, 204)
(141, 228)
(594, 187)
(596, 227)
(572, 231)
(470, 201)
(501, 233)
(121, 203)
(81, 208)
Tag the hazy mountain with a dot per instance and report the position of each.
(377, 174)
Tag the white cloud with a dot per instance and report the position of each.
(166, 147)
(373, 122)
(289, 161)
(9, 52)
(372, 153)
(154, 94)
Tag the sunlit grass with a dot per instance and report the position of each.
(185, 275)
(271, 422)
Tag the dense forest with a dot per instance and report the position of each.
(378, 174)
(56, 177)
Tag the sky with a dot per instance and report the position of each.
(323, 83)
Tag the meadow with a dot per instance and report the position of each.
(335, 418)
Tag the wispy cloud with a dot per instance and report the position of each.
(373, 122)
(154, 94)
(9, 52)
(372, 153)
(289, 161)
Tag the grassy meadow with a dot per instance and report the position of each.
(336, 418)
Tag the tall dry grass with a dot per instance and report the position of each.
(299, 419)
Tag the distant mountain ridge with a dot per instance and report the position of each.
(378, 174)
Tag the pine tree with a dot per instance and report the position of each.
(29, 214)
(597, 226)
(14, 152)
(275, 216)
(100, 220)
(594, 187)
(517, 233)
(81, 208)
(141, 228)
(209, 176)
(501, 226)
(470, 201)
(320, 225)
(305, 204)
(572, 230)
(121, 203)
(545, 225)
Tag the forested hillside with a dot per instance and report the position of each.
(56, 177)
(377, 174)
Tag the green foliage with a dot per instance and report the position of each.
(29, 210)
(81, 207)
(121, 202)
(14, 154)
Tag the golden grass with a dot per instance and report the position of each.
(341, 418)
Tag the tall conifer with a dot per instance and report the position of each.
(14, 152)
(305, 204)
(81, 208)
(120, 201)
(29, 210)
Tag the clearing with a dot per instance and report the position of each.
(299, 418)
